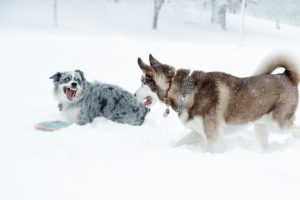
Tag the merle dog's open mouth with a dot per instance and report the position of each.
(147, 101)
(70, 93)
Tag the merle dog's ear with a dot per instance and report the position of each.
(147, 69)
(81, 74)
(56, 77)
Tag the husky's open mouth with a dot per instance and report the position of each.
(147, 101)
(70, 93)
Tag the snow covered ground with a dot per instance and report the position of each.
(106, 160)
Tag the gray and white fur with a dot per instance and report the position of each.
(82, 101)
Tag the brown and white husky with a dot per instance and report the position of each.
(210, 102)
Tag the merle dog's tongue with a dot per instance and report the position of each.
(147, 101)
(70, 93)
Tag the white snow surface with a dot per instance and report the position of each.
(105, 160)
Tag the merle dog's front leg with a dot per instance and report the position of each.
(84, 118)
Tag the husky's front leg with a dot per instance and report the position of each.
(197, 133)
(190, 138)
(84, 118)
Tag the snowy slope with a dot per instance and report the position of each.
(106, 160)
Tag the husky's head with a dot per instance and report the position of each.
(155, 81)
(68, 86)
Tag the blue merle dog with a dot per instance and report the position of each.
(82, 101)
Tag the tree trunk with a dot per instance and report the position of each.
(157, 7)
(218, 14)
(222, 17)
(242, 21)
(55, 21)
(213, 11)
(155, 19)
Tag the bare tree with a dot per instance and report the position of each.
(55, 20)
(220, 8)
(213, 11)
(242, 21)
(218, 14)
(157, 7)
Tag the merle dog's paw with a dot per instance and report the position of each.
(147, 111)
(60, 107)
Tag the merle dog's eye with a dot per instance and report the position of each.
(77, 80)
(67, 79)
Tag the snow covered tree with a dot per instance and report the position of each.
(157, 8)
(218, 15)
(219, 10)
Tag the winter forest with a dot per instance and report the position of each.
(214, 11)
(41, 40)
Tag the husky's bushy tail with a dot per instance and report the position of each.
(281, 60)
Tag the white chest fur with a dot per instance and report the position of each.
(71, 114)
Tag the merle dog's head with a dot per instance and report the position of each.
(68, 86)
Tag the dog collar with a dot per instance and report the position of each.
(167, 99)
(188, 85)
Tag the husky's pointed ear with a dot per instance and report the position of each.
(142, 65)
(153, 61)
(147, 69)
(81, 74)
(56, 77)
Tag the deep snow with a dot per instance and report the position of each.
(106, 160)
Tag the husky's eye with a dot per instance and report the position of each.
(143, 80)
(148, 80)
